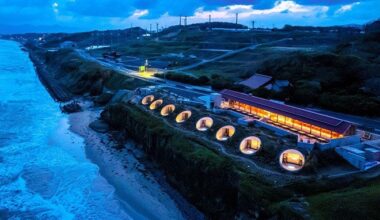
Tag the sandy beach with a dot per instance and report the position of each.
(140, 184)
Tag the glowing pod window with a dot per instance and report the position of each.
(224, 133)
(204, 124)
(147, 100)
(156, 104)
(165, 111)
(292, 160)
(183, 116)
(250, 145)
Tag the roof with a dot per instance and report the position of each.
(256, 81)
(323, 121)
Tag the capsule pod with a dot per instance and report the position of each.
(167, 109)
(292, 160)
(225, 132)
(156, 104)
(250, 145)
(147, 99)
(183, 116)
(204, 124)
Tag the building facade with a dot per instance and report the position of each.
(297, 120)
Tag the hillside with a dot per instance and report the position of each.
(345, 76)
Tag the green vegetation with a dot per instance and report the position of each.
(81, 76)
(216, 82)
(331, 80)
(349, 203)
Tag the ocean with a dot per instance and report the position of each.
(44, 173)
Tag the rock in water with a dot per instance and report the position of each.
(104, 98)
(99, 126)
(71, 108)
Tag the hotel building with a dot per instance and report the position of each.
(297, 120)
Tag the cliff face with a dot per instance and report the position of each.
(80, 75)
(213, 183)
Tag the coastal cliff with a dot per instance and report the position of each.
(215, 184)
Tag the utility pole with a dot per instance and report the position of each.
(237, 17)
(180, 20)
(157, 27)
(209, 18)
(253, 25)
(185, 20)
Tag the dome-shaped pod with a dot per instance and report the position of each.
(250, 145)
(167, 109)
(292, 160)
(204, 124)
(225, 132)
(156, 104)
(147, 99)
(183, 116)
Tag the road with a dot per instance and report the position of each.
(120, 68)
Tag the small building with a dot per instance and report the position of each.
(297, 120)
(256, 81)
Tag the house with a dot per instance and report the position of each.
(256, 81)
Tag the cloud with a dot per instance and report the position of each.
(101, 14)
(345, 8)
(246, 11)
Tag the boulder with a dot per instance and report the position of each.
(99, 126)
(97, 88)
(71, 107)
(104, 98)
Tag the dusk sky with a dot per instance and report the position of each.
(82, 15)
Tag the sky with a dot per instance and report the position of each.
(18, 16)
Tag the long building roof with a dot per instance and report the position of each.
(309, 117)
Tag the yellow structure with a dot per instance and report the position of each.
(142, 69)
(147, 99)
(292, 160)
(225, 132)
(183, 116)
(204, 124)
(250, 145)
(156, 104)
(167, 109)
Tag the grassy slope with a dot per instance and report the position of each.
(80, 75)
(349, 203)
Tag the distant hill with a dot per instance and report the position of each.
(83, 39)
(373, 27)
(338, 29)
